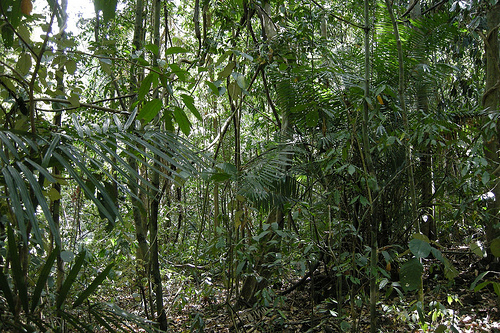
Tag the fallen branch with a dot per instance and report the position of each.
(301, 281)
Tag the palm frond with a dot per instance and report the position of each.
(94, 157)
(266, 181)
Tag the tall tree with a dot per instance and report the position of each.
(490, 103)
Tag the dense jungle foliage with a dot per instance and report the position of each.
(249, 166)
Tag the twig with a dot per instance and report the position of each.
(301, 281)
(434, 7)
(35, 72)
(17, 34)
(337, 17)
(64, 101)
(412, 5)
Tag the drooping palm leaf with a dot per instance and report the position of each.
(17, 272)
(93, 286)
(42, 278)
(86, 155)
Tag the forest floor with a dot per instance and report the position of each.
(450, 306)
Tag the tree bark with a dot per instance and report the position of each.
(370, 172)
(56, 204)
(156, 280)
(490, 103)
(142, 260)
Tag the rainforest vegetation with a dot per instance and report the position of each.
(250, 166)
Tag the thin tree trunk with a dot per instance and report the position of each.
(56, 204)
(138, 206)
(368, 166)
(425, 229)
(154, 209)
(180, 215)
(155, 264)
(490, 103)
(426, 220)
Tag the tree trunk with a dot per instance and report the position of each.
(491, 106)
(142, 260)
(156, 280)
(370, 172)
(56, 204)
(260, 268)
(426, 216)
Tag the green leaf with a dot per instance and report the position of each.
(7, 36)
(7, 293)
(241, 264)
(227, 70)
(364, 201)
(441, 328)
(237, 218)
(8, 83)
(75, 322)
(16, 205)
(150, 110)
(42, 278)
(9, 144)
(91, 179)
(17, 272)
(26, 198)
(437, 254)
(345, 326)
(495, 247)
(178, 71)
(23, 64)
(70, 66)
(213, 88)
(220, 177)
(422, 237)
(70, 279)
(222, 58)
(496, 288)
(234, 90)
(106, 66)
(182, 120)
(129, 173)
(78, 127)
(481, 285)
(175, 50)
(476, 249)
(419, 248)
(146, 84)
(55, 142)
(93, 286)
(485, 178)
(108, 198)
(189, 102)
(411, 274)
(54, 194)
(153, 49)
(312, 118)
(130, 119)
(74, 100)
(229, 168)
(240, 80)
(37, 190)
(67, 256)
(103, 321)
(450, 272)
(243, 54)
